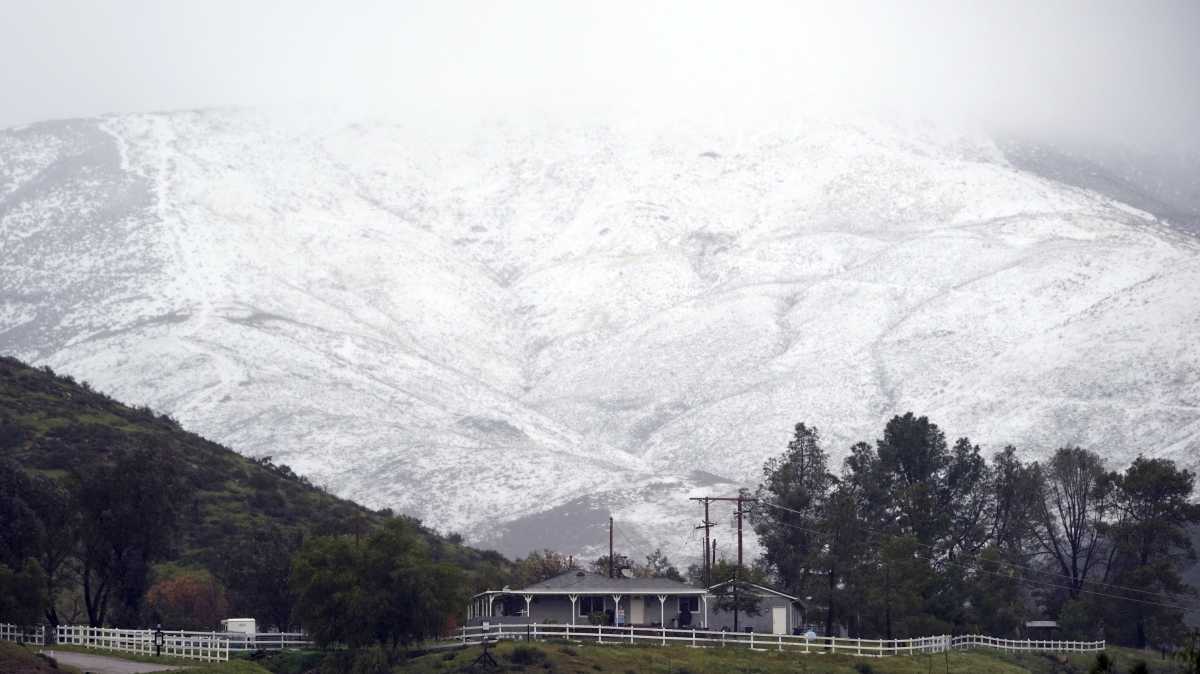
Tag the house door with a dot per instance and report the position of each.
(637, 611)
(778, 620)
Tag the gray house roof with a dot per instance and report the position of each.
(583, 582)
(760, 589)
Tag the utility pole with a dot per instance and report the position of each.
(610, 548)
(737, 574)
(706, 525)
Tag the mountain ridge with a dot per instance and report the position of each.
(499, 326)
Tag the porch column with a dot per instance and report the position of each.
(528, 610)
(491, 598)
(573, 598)
(662, 611)
(704, 602)
(616, 607)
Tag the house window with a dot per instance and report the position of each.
(590, 605)
(692, 604)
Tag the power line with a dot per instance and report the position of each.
(1000, 562)
(1183, 607)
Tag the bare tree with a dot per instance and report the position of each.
(1069, 516)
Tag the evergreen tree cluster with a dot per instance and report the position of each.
(114, 516)
(916, 535)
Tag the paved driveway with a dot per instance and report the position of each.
(103, 664)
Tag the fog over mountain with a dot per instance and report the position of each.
(513, 331)
(513, 267)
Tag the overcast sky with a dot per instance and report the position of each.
(1126, 71)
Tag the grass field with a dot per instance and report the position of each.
(575, 658)
(572, 658)
(17, 659)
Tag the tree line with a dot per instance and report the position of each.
(914, 535)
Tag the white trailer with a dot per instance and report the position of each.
(239, 625)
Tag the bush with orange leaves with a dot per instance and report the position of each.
(189, 599)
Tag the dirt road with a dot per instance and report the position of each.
(104, 664)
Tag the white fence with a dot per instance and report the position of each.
(208, 646)
(1018, 645)
(266, 641)
(780, 642)
(23, 635)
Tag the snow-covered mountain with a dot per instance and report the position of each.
(512, 330)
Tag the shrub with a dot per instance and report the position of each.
(524, 654)
(1102, 664)
(370, 661)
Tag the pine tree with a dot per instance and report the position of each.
(795, 487)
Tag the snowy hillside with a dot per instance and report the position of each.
(512, 331)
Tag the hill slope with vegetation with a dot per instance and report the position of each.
(127, 514)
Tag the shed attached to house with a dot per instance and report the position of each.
(777, 612)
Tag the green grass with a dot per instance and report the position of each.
(232, 667)
(581, 658)
(24, 659)
(1124, 658)
(236, 664)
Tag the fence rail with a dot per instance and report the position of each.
(968, 641)
(23, 634)
(261, 641)
(206, 646)
(779, 642)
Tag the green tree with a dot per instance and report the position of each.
(658, 566)
(538, 566)
(600, 564)
(1152, 509)
(966, 495)
(40, 523)
(22, 593)
(898, 589)
(910, 490)
(845, 547)
(1015, 493)
(733, 593)
(23, 533)
(995, 605)
(383, 590)
(129, 510)
(329, 595)
(794, 488)
(255, 568)
(933, 492)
